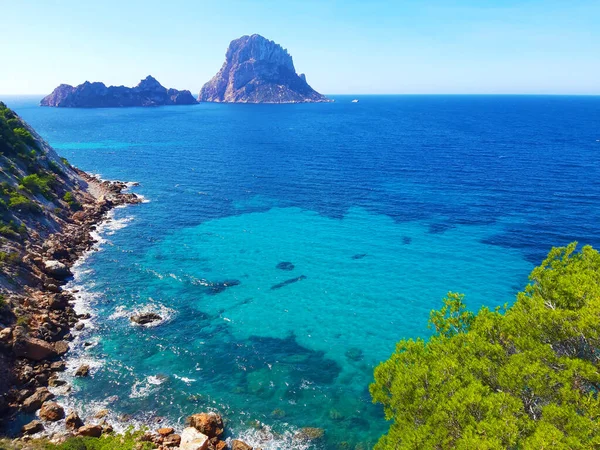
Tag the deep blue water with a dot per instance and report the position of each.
(381, 207)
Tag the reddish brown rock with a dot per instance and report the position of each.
(240, 445)
(173, 440)
(82, 371)
(90, 430)
(33, 348)
(32, 427)
(165, 431)
(73, 421)
(210, 424)
(35, 401)
(52, 412)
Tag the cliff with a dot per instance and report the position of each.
(257, 70)
(148, 92)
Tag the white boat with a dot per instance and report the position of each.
(355, 100)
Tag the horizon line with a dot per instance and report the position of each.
(552, 94)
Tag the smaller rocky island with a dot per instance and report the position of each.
(257, 70)
(149, 92)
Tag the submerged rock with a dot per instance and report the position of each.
(285, 265)
(354, 354)
(257, 70)
(145, 318)
(286, 282)
(359, 256)
(310, 434)
(218, 287)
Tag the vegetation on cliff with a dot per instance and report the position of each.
(526, 377)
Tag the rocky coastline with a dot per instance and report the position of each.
(34, 344)
(49, 211)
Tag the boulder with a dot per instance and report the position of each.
(57, 270)
(58, 366)
(90, 431)
(52, 411)
(192, 439)
(165, 431)
(5, 335)
(82, 371)
(73, 421)
(210, 424)
(239, 445)
(35, 401)
(145, 318)
(61, 347)
(310, 434)
(172, 440)
(35, 426)
(34, 349)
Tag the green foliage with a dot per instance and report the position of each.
(39, 184)
(127, 441)
(525, 379)
(72, 201)
(10, 257)
(15, 139)
(18, 202)
(12, 230)
(3, 301)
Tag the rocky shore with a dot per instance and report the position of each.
(48, 213)
(33, 345)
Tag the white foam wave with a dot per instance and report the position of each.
(147, 386)
(264, 437)
(186, 380)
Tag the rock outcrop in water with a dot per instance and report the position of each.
(257, 70)
(148, 92)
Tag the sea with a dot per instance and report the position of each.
(287, 248)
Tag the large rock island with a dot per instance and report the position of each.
(257, 70)
(148, 92)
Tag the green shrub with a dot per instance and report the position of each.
(19, 202)
(25, 136)
(10, 257)
(12, 230)
(72, 201)
(3, 301)
(528, 378)
(39, 184)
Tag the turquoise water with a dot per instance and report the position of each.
(289, 248)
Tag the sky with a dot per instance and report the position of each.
(343, 47)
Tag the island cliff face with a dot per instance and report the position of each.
(257, 70)
(148, 92)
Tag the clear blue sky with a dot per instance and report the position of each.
(349, 46)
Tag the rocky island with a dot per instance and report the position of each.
(257, 70)
(149, 92)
